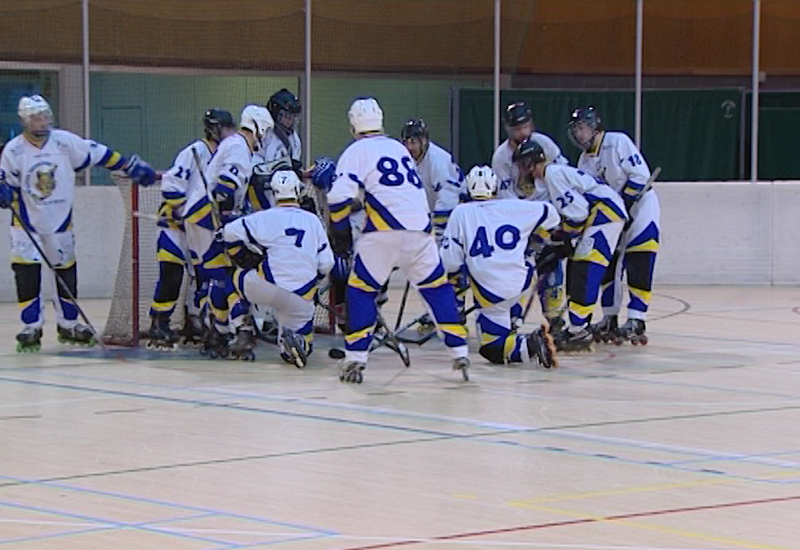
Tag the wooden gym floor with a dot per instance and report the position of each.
(692, 442)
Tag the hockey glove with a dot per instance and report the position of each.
(243, 257)
(307, 203)
(6, 195)
(323, 173)
(548, 259)
(139, 171)
(342, 241)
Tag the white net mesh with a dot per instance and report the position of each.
(137, 274)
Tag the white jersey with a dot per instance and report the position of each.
(490, 237)
(296, 245)
(443, 180)
(575, 193)
(227, 173)
(273, 148)
(616, 160)
(180, 181)
(394, 196)
(45, 176)
(509, 185)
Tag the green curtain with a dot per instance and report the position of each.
(692, 135)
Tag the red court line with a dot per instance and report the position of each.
(568, 522)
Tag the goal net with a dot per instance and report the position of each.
(137, 272)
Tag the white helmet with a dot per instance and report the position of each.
(365, 115)
(481, 182)
(33, 105)
(258, 120)
(285, 185)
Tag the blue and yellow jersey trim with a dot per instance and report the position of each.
(340, 213)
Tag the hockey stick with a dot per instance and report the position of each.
(60, 280)
(216, 217)
(402, 305)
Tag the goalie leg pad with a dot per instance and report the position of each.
(29, 285)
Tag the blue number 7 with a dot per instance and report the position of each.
(298, 234)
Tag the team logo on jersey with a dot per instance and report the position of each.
(43, 175)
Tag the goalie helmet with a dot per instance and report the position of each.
(529, 153)
(481, 182)
(365, 115)
(258, 120)
(214, 120)
(517, 113)
(285, 186)
(284, 108)
(583, 125)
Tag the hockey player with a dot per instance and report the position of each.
(489, 237)
(37, 181)
(441, 176)
(396, 233)
(518, 120)
(613, 157)
(177, 184)
(227, 175)
(281, 150)
(282, 253)
(592, 212)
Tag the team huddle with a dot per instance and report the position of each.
(243, 217)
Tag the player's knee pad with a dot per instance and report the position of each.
(29, 281)
(70, 277)
(494, 352)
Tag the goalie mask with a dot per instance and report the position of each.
(36, 116)
(481, 183)
(416, 138)
(285, 109)
(285, 186)
(584, 124)
(365, 116)
(258, 120)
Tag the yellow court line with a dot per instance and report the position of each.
(640, 489)
(649, 527)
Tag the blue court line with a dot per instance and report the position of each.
(271, 542)
(723, 458)
(113, 525)
(57, 535)
(202, 511)
(538, 430)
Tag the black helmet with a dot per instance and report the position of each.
(216, 119)
(283, 100)
(530, 151)
(414, 128)
(517, 113)
(590, 117)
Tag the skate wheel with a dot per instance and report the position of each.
(335, 353)
(203, 352)
(224, 354)
(359, 378)
(618, 341)
(248, 356)
(644, 341)
(465, 374)
(212, 354)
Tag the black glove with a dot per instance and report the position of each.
(342, 241)
(246, 258)
(307, 203)
(550, 256)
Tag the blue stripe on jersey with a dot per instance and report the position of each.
(173, 195)
(105, 158)
(266, 272)
(64, 226)
(375, 208)
(594, 199)
(485, 294)
(437, 273)
(306, 288)
(85, 163)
